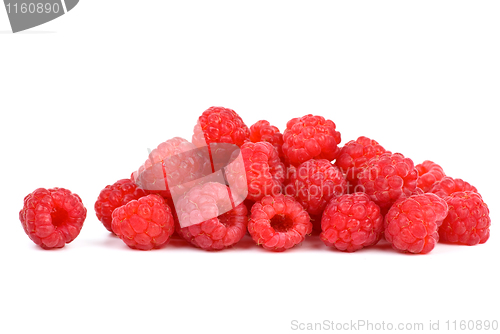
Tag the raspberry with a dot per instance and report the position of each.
(53, 217)
(263, 131)
(310, 137)
(220, 125)
(429, 173)
(449, 185)
(387, 177)
(468, 220)
(145, 223)
(355, 154)
(264, 171)
(114, 196)
(207, 220)
(314, 183)
(171, 165)
(278, 223)
(351, 222)
(411, 225)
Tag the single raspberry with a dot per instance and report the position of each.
(468, 220)
(314, 183)
(207, 219)
(387, 177)
(351, 222)
(145, 223)
(52, 217)
(278, 223)
(220, 125)
(449, 185)
(173, 165)
(264, 172)
(114, 196)
(429, 173)
(412, 223)
(355, 155)
(263, 131)
(310, 137)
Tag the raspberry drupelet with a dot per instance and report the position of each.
(52, 217)
(278, 223)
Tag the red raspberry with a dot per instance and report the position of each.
(314, 183)
(145, 223)
(310, 137)
(207, 220)
(449, 185)
(411, 225)
(356, 154)
(351, 222)
(172, 165)
(387, 177)
(265, 173)
(220, 125)
(468, 220)
(263, 131)
(278, 223)
(53, 217)
(429, 173)
(114, 196)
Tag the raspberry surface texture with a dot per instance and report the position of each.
(355, 154)
(145, 223)
(113, 196)
(314, 183)
(412, 223)
(52, 217)
(468, 220)
(278, 223)
(220, 125)
(449, 185)
(263, 131)
(172, 166)
(264, 171)
(388, 177)
(207, 219)
(310, 137)
(429, 173)
(351, 222)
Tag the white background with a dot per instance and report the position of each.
(83, 97)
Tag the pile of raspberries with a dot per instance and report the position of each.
(280, 188)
